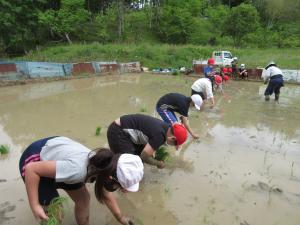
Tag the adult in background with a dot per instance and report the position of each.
(170, 103)
(203, 87)
(61, 163)
(234, 67)
(274, 76)
(142, 135)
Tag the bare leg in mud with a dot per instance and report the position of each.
(81, 198)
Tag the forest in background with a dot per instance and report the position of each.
(28, 25)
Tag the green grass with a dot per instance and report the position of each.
(55, 211)
(98, 131)
(163, 55)
(4, 149)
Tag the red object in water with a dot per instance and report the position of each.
(211, 61)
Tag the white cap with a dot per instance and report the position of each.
(242, 65)
(130, 171)
(271, 63)
(197, 101)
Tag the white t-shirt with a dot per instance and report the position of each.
(271, 71)
(203, 85)
(71, 159)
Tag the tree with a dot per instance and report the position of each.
(217, 16)
(175, 25)
(242, 20)
(18, 24)
(66, 21)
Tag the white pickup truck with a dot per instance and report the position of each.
(223, 57)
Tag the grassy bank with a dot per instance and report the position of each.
(154, 56)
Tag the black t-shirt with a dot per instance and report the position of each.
(175, 102)
(145, 129)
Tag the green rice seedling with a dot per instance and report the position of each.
(139, 222)
(292, 170)
(55, 211)
(4, 149)
(144, 109)
(98, 131)
(162, 154)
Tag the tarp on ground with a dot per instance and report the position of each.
(45, 69)
(82, 68)
(23, 70)
(106, 67)
(131, 67)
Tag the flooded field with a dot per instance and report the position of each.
(244, 170)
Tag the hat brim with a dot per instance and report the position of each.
(133, 188)
(197, 107)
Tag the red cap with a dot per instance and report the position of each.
(211, 61)
(180, 133)
(226, 77)
(225, 70)
(218, 79)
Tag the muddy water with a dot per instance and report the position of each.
(244, 170)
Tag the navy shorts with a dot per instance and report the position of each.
(47, 186)
(193, 92)
(274, 85)
(167, 115)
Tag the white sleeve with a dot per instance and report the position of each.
(209, 93)
(69, 172)
(267, 74)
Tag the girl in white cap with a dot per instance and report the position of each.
(61, 163)
(203, 87)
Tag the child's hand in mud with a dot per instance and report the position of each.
(161, 165)
(39, 213)
(127, 221)
(195, 136)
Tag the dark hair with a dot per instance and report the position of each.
(269, 65)
(102, 164)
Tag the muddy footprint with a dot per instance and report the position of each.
(6, 207)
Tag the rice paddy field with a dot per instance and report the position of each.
(244, 169)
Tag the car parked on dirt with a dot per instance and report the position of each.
(222, 57)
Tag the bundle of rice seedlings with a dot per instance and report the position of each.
(143, 109)
(162, 154)
(4, 149)
(55, 211)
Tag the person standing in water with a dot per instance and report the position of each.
(170, 103)
(61, 163)
(142, 135)
(274, 76)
